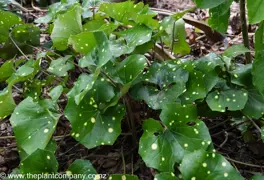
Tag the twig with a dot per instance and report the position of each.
(243, 163)
(123, 160)
(219, 124)
(172, 38)
(256, 126)
(244, 28)
(224, 142)
(37, 8)
(17, 46)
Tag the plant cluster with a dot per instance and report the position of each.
(106, 45)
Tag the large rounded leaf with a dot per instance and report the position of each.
(169, 80)
(162, 147)
(90, 126)
(65, 25)
(7, 20)
(34, 123)
(230, 99)
(195, 88)
(207, 165)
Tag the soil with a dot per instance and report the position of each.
(244, 151)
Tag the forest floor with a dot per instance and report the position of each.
(246, 154)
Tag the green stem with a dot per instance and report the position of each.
(244, 28)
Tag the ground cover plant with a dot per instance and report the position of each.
(102, 58)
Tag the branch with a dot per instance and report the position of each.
(244, 28)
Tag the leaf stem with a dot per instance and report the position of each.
(244, 28)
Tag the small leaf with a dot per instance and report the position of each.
(7, 104)
(40, 161)
(207, 165)
(83, 167)
(219, 16)
(165, 176)
(230, 99)
(67, 24)
(61, 66)
(161, 148)
(122, 177)
(235, 51)
(56, 92)
(34, 123)
(6, 70)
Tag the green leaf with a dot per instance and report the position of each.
(175, 33)
(219, 16)
(67, 24)
(258, 64)
(83, 167)
(204, 4)
(235, 50)
(165, 176)
(254, 107)
(61, 66)
(122, 177)
(195, 88)
(40, 161)
(230, 99)
(97, 51)
(242, 75)
(24, 36)
(255, 11)
(170, 82)
(83, 85)
(34, 123)
(257, 177)
(24, 72)
(207, 165)
(7, 20)
(207, 65)
(7, 104)
(161, 147)
(130, 39)
(91, 126)
(126, 12)
(6, 70)
(56, 92)
(129, 69)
